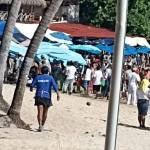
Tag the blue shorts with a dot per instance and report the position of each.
(142, 105)
(85, 83)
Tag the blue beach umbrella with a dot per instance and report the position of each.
(18, 48)
(61, 35)
(46, 48)
(105, 48)
(68, 57)
(59, 53)
(143, 49)
(129, 50)
(86, 48)
(106, 41)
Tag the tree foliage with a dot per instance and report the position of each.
(102, 13)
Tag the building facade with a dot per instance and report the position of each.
(69, 12)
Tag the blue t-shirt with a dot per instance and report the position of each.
(43, 84)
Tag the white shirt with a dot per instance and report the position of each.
(128, 74)
(88, 74)
(134, 79)
(108, 73)
(70, 72)
(98, 77)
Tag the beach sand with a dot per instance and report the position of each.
(73, 125)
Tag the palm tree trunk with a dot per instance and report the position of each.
(14, 111)
(6, 40)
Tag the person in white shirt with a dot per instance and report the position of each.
(134, 79)
(97, 80)
(70, 77)
(128, 72)
(87, 78)
(107, 76)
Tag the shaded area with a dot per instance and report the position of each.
(4, 106)
(5, 121)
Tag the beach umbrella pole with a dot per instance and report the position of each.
(113, 108)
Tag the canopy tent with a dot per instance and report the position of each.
(16, 33)
(86, 48)
(135, 41)
(29, 29)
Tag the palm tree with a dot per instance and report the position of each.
(15, 108)
(7, 36)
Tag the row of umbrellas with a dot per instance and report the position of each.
(128, 50)
(51, 51)
(66, 52)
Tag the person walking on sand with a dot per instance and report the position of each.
(43, 84)
(143, 95)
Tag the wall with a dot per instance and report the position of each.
(69, 13)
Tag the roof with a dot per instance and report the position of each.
(79, 30)
(27, 2)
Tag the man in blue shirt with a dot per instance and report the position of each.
(43, 84)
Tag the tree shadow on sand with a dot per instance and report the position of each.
(5, 121)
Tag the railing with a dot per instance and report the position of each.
(22, 16)
(29, 17)
(3, 15)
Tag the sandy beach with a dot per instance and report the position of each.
(73, 125)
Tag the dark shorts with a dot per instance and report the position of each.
(86, 83)
(96, 88)
(43, 101)
(142, 105)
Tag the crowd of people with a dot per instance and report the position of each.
(95, 77)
